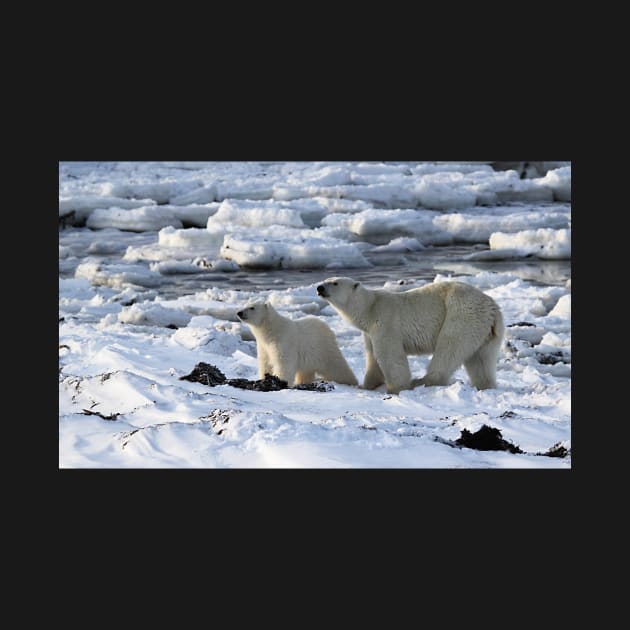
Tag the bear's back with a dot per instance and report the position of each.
(311, 323)
(448, 289)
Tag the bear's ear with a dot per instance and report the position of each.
(356, 284)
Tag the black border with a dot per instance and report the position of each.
(459, 504)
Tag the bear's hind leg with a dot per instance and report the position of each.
(445, 360)
(337, 369)
(453, 346)
(482, 366)
(339, 373)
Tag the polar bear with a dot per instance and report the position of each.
(295, 349)
(454, 321)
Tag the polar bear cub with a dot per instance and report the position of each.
(454, 321)
(295, 349)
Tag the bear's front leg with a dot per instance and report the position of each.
(392, 359)
(373, 374)
(264, 362)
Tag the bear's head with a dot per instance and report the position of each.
(338, 291)
(254, 313)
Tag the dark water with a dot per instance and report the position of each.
(423, 265)
(387, 267)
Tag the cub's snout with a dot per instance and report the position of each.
(321, 291)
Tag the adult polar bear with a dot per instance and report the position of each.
(295, 349)
(454, 321)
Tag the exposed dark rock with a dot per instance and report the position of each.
(210, 375)
(486, 439)
(206, 374)
(111, 416)
(521, 324)
(551, 358)
(557, 450)
(268, 384)
(66, 219)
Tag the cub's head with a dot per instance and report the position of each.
(338, 291)
(254, 313)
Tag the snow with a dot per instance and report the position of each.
(160, 256)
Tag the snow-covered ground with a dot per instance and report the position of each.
(132, 228)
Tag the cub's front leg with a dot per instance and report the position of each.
(264, 362)
(284, 364)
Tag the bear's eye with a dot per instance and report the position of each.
(251, 308)
(335, 283)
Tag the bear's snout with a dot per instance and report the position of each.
(321, 291)
(240, 314)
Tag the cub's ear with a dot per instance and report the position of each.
(356, 284)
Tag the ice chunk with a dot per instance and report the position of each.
(135, 220)
(383, 225)
(202, 195)
(382, 195)
(151, 314)
(161, 192)
(253, 214)
(178, 244)
(444, 195)
(559, 180)
(117, 275)
(83, 205)
(542, 243)
(301, 250)
(473, 227)
(190, 238)
(562, 307)
(401, 244)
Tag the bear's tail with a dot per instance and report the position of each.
(497, 330)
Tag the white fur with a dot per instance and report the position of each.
(454, 321)
(295, 349)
